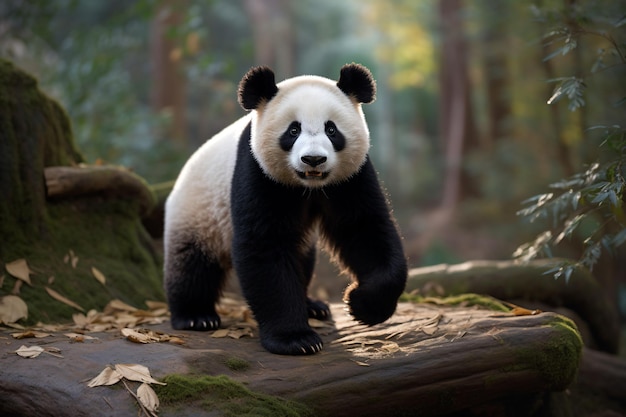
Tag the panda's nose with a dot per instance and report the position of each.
(313, 160)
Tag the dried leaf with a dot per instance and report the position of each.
(147, 397)
(20, 270)
(108, 376)
(29, 351)
(52, 293)
(71, 258)
(118, 305)
(361, 363)
(137, 337)
(51, 350)
(154, 305)
(521, 311)
(50, 280)
(98, 275)
(176, 340)
(30, 334)
(12, 308)
(135, 372)
(220, 333)
(429, 330)
(78, 337)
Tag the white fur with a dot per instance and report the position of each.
(312, 101)
(200, 200)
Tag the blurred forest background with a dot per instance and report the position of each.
(481, 104)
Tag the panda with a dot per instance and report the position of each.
(256, 197)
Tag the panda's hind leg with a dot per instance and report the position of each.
(315, 308)
(193, 284)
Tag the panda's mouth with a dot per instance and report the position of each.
(312, 175)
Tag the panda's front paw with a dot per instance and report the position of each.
(198, 322)
(317, 309)
(304, 342)
(370, 307)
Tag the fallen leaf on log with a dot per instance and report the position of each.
(12, 308)
(34, 351)
(78, 337)
(30, 334)
(521, 311)
(108, 376)
(63, 299)
(220, 333)
(20, 270)
(149, 336)
(147, 396)
(136, 372)
(29, 351)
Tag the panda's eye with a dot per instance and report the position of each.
(330, 129)
(294, 130)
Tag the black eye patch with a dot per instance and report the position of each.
(290, 135)
(336, 137)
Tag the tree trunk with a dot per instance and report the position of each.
(495, 62)
(168, 83)
(456, 124)
(271, 26)
(34, 133)
(95, 223)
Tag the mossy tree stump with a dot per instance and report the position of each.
(62, 237)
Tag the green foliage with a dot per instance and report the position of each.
(588, 207)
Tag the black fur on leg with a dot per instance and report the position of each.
(362, 236)
(193, 284)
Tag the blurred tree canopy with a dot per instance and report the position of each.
(461, 125)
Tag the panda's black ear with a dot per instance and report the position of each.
(356, 81)
(256, 87)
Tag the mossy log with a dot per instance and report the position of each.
(64, 236)
(104, 181)
(508, 280)
(427, 360)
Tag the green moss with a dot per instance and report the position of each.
(466, 300)
(105, 233)
(558, 359)
(237, 364)
(221, 393)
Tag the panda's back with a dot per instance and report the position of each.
(199, 204)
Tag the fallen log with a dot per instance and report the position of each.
(508, 280)
(106, 181)
(427, 360)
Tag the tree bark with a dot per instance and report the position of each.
(456, 124)
(168, 83)
(112, 182)
(271, 26)
(426, 360)
(35, 132)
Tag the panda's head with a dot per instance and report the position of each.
(308, 131)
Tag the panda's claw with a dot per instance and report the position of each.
(317, 309)
(202, 322)
(303, 342)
